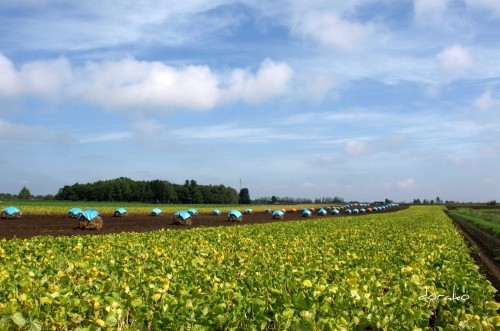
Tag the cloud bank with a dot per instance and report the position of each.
(130, 84)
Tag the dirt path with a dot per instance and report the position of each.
(486, 250)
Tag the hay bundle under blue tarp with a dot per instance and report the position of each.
(249, 211)
(234, 216)
(156, 212)
(278, 215)
(90, 220)
(11, 212)
(120, 212)
(322, 212)
(267, 211)
(335, 212)
(306, 212)
(216, 212)
(183, 217)
(192, 211)
(75, 212)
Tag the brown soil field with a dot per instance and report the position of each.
(60, 225)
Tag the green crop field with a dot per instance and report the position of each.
(408, 270)
(486, 217)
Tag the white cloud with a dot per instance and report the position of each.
(357, 148)
(330, 29)
(492, 6)
(272, 78)
(45, 78)
(39, 78)
(406, 183)
(455, 57)
(130, 84)
(486, 102)
(140, 85)
(8, 77)
(313, 85)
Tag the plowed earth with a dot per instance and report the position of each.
(60, 225)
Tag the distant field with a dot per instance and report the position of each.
(486, 218)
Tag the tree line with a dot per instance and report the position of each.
(154, 191)
(295, 201)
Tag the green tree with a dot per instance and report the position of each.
(24, 194)
(274, 199)
(244, 197)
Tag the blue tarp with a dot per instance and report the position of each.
(216, 212)
(335, 211)
(235, 213)
(306, 212)
(89, 214)
(121, 211)
(192, 211)
(248, 211)
(278, 212)
(75, 211)
(322, 211)
(182, 214)
(11, 210)
(156, 211)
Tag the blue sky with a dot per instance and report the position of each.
(366, 100)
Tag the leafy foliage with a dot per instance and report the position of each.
(378, 271)
(24, 194)
(156, 191)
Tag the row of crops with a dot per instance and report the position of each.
(233, 214)
(395, 271)
(486, 218)
(29, 208)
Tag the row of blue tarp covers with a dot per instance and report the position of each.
(78, 211)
